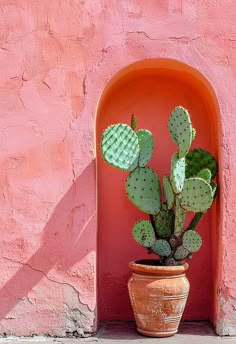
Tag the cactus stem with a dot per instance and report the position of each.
(153, 223)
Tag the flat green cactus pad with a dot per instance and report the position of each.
(177, 176)
(196, 195)
(180, 129)
(146, 144)
(143, 190)
(199, 159)
(120, 147)
(205, 174)
(168, 192)
(143, 233)
(162, 248)
(214, 188)
(181, 253)
(192, 241)
(165, 222)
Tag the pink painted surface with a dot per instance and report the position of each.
(56, 58)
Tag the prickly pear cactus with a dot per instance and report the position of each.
(193, 134)
(120, 147)
(177, 176)
(164, 222)
(196, 195)
(168, 192)
(180, 214)
(199, 159)
(143, 190)
(190, 186)
(192, 241)
(205, 174)
(170, 261)
(133, 122)
(146, 144)
(214, 188)
(181, 253)
(162, 248)
(180, 129)
(143, 233)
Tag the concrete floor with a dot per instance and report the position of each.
(123, 333)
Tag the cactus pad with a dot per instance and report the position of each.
(205, 174)
(214, 188)
(180, 129)
(168, 192)
(133, 122)
(193, 134)
(199, 159)
(192, 241)
(120, 147)
(143, 190)
(179, 218)
(143, 233)
(196, 195)
(164, 222)
(146, 144)
(181, 253)
(177, 173)
(162, 248)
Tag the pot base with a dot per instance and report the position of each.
(156, 333)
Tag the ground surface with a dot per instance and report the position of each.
(122, 333)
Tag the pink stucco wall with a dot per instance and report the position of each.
(56, 58)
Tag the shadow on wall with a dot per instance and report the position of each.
(68, 237)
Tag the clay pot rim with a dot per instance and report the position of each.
(141, 268)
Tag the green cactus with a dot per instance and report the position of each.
(181, 130)
(170, 261)
(143, 233)
(133, 122)
(162, 248)
(146, 144)
(168, 192)
(205, 174)
(196, 195)
(180, 214)
(164, 222)
(120, 147)
(213, 188)
(199, 159)
(189, 188)
(193, 134)
(181, 253)
(143, 190)
(177, 176)
(192, 241)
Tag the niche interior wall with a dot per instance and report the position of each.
(151, 89)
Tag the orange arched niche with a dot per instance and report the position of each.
(151, 89)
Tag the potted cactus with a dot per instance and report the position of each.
(158, 288)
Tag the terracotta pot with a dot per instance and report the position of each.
(158, 296)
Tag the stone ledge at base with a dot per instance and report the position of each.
(118, 332)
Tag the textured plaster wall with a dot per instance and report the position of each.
(55, 59)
